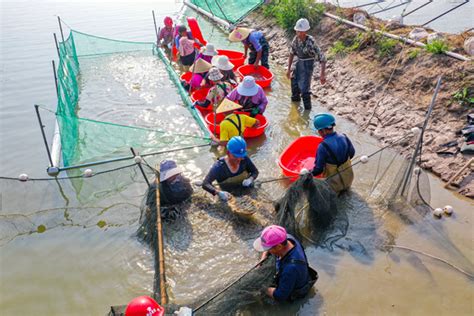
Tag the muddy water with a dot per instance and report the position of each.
(79, 267)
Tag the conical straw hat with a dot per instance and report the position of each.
(200, 66)
(227, 106)
(239, 34)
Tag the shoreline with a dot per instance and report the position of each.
(357, 89)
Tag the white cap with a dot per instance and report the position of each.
(302, 25)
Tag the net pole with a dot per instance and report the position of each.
(156, 29)
(140, 167)
(44, 135)
(55, 79)
(57, 46)
(61, 28)
(161, 254)
(420, 138)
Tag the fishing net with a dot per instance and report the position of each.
(228, 10)
(113, 95)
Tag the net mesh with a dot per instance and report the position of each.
(228, 10)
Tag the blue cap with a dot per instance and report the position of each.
(237, 147)
(323, 120)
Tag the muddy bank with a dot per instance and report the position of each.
(357, 89)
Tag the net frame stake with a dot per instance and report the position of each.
(61, 28)
(43, 134)
(55, 78)
(446, 12)
(420, 138)
(156, 29)
(417, 8)
(140, 167)
(390, 8)
(57, 45)
(161, 254)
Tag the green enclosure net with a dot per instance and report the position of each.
(229, 10)
(113, 95)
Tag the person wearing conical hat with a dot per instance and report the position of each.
(233, 124)
(226, 68)
(218, 91)
(199, 71)
(250, 96)
(254, 41)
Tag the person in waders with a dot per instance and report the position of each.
(307, 52)
(254, 41)
(235, 168)
(294, 277)
(233, 124)
(250, 96)
(333, 157)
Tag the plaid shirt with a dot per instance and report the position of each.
(306, 49)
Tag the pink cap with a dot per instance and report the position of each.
(270, 237)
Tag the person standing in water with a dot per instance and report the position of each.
(255, 42)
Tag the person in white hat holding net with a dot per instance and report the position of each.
(254, 41)
(307, 52)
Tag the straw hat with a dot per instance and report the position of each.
(222, 63)
(215, 74)
(239, 34)
(227, 106)
(200, 66)
(209, 50)
(248, 87)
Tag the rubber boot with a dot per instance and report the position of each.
(307, 101)
(295, 91)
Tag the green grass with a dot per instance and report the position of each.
(385, 46)
(287, 12)
(464, 96)
(414, 53)
(437, 47)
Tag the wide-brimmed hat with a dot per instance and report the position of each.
(209, 50)
(239, 34)
(214, 74)
(269, 238)
(222, 63)
(168, 168)
(248, 87)
(227, 106)
(200, 66)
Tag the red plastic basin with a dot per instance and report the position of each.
(236, 58)
(263, 76)
(186, 76)
(300, 154)
(249, 132)
(200, 95)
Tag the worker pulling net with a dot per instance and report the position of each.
(229, 10)
(113, 95)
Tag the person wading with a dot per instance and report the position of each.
(255, 42)
(294, 277)
(307, 52)
(235, 168)
(333, 157)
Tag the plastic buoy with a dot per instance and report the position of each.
(144, 306)
(417, 171)
(364, 159)
(53, 171)
(138, 159)
(416, 130)
(23, 177)
(448, 210)
(437, 212)
(88, 173)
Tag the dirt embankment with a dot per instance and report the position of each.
(357, 89)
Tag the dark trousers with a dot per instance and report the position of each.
(265, 54)
(301, 82)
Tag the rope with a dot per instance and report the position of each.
(228, 286)
(433, 257)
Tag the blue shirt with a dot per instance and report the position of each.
(254, 39)
(292, 276)
(340, 145)
(221, 172)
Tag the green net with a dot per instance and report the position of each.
(113, 95)
(231, 11)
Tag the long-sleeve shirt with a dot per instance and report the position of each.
(221, 172)
(259, 100)
(291, 275)
(340, 145)
(166, 34)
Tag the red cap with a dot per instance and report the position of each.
(168, 21)
(144, 306)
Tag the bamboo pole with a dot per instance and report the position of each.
(161, 254)
(467, 165)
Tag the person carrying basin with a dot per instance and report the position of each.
(218, 91)
(294, 277)
(334, 154)
(254, 41)
(250, 96)
(307, 52)
(226, 68)
(234, 168)
(233, 124)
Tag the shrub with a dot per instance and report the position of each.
(414, 53)
(287, 12)
(464, 96)
(385, 46)
(437, 47)
(338, 48)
